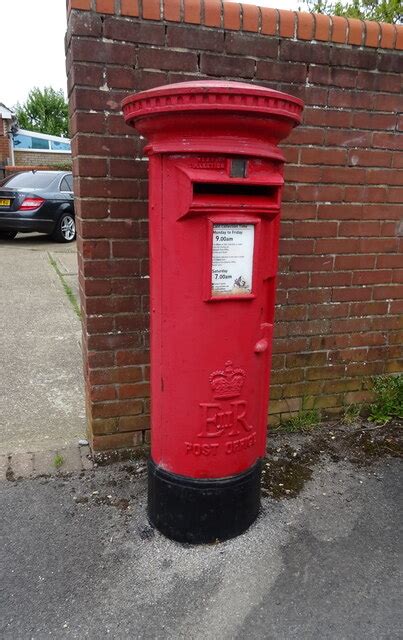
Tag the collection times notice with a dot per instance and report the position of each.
(232, 259)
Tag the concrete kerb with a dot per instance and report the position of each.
(63, 461)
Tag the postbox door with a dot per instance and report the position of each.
(212, 313)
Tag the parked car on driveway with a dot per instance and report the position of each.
(38, 201)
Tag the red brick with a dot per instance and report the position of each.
(267, 70)
(139, 390)
(130, 249)
(287, 23)
(339, 29)
(188, 37)
(331, 279)
(216, 65)
(369, 158)
(315, 229)
(303, 174)
(388, 262)
(231, 16)
(250, 18)
(111, 268)
(100, 359)
(84, 5)
(320, 156)
(316, 311)
(359, 228)
(115, 409)
(368, 308)
(172, 10)
(336, 245)
(120, 78)
(309, 296)
(105, 6)
(325, 373)
(152, 10)
(94, 249)
(270, 21)
(129, 8)
(133, 423)
(305, 25)
(356, 31)
(153, 58)
(372, 277)
(212, 13)
(346, 294)
(307, 135)
(131, 31)
(387, 140)
(191, 11)
(296, 247)
(314, 263)
(124, 358)
(354, 262)
(97, 324)
(290, 313)
(388, 35)
(372, 34)
(97, 287)
(354, 57)
(384, 292)
(322, 27)
(298, 211)
(83, 50)
(103, 393)
(88, 187)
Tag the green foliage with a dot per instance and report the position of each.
(58, 461)
(45, 111)
(352, 413)
(305, 420)
(379, 10)
(388, 401)
(68, 290)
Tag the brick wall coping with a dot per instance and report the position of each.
(253, 19)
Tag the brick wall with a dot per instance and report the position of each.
(339, 289)
(4, 142)
(37, 159)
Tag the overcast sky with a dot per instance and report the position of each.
(32, 44)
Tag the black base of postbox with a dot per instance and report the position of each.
(202, 511)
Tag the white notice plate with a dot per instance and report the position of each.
(232, 262)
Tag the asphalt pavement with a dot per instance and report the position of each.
(79, 560)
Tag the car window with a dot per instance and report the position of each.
(29, 180)
(67, 183)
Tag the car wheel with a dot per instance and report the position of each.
(65, 229)
(8, 235)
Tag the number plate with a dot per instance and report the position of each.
(5, 202)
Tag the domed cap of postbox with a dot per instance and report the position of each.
(213, 116)
(212, 95)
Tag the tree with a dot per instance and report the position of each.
(45, 111)
(379, 10)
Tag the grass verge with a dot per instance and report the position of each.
(68, 290)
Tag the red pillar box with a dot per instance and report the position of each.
(215, 182)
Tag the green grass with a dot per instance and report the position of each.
(351, 413)
(58, 461)
(388, 403)
(68, 290)
(305, 420)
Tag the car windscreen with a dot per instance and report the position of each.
(28, 181)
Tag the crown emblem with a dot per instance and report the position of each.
(227, 383)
